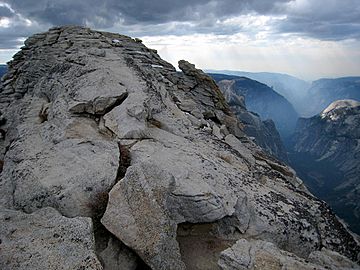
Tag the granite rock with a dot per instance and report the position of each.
(46, 240)
(95, 120)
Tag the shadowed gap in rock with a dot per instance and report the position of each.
(201, 245)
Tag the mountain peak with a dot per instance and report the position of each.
(106, 138)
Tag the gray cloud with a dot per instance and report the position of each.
(335, 20)
(5, 12)
(11, 38)
(137, 16)
(322, 30)
(14, 28)
(136, 11)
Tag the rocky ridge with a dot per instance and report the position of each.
(333, 136)
(94, 120)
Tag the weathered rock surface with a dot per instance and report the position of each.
(264, 255)
(117, 256)
(332, 138)
(90, 113)
(264, 133)
(46, 240)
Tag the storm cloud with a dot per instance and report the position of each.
(266, 28)
(336, 20)
(19, 19)
(323, 20)
(106, 13)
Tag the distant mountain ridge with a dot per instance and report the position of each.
(290, 87)
(264, 133)
(308, 98)
(263, 100)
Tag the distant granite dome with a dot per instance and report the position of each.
(111, 159)
(340, 104)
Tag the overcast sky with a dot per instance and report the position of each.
(305, 38)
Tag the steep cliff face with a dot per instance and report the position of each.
(333, 139)
(97, 128)
(292, 88)
(264, 133)
(264, 101)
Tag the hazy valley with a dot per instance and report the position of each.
(323, 149)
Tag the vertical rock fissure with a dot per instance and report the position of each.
(101, 234)
(124, 160)
(110, 250)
